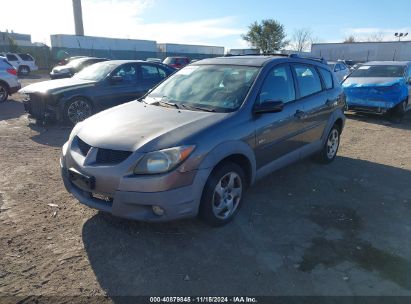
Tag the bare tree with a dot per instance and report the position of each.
(302, 39)
(376, 37)
(350, 39)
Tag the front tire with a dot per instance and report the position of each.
(330, 148)
(222, 195)
(77, 110)
(4, 92)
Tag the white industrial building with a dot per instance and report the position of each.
(363, 51)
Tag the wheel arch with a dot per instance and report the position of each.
(6, 85)
(236, 152)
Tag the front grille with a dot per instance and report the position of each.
(84, 148)
(37, 106)
(105, 156)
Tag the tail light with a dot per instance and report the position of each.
(12, 71)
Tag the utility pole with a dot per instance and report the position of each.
(78, 17)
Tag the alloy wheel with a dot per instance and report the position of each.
(78, 110)
(227, 195)
(332, 143)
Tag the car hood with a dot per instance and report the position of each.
(60, 68)
(138, 126)
(371, 81)
(56, 86)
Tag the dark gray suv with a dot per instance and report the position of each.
(196, 141)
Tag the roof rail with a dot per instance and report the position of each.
(322, 60)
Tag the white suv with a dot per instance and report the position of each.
(24, 63)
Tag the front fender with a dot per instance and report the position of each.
(227, 149)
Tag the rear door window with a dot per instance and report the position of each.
(150, 73)
(25, 57)
(11, 57)
(308, 80)
(278, 86)
(327, 78)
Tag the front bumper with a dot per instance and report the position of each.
(372, 106)
(134, 198)
(38, 106)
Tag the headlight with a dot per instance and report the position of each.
(163, 161)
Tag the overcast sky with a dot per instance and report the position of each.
(210, 22)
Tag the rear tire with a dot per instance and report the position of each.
(24, 70)
(4, 92)
(77, 110)
(331, 145)
(222, 194)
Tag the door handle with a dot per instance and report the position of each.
(300, 114)
(331, 103)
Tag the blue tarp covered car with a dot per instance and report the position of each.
(379, 87)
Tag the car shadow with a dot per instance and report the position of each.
(49, 134)
(294, 236)
(11, 109)
(404, 123)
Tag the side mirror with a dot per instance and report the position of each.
(269, 106)
(116, 79)
(409, 80)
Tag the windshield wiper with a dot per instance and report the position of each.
(168, 103)
(185, 106)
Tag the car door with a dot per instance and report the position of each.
(151, 75)
(316, 102)
(278, 134)
(122, 85)
(409, 84)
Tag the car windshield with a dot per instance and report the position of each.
(220, 88)
(379, 71)
(96, 72)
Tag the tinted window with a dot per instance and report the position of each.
(128, 72)
(149, 73)
(11, 57)
(379, 71)
(163, 73)
(327, 78)
(25, 57)
(308, 80)
(278, 86)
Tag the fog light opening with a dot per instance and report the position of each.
(158, 210)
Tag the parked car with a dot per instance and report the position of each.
(177, 62)
(73, 66)
(68, 59)
(23, 63)
(97, 87)
(340, 69)
(380, 87)
(9, 83)
(154, 60)
(201, 137)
